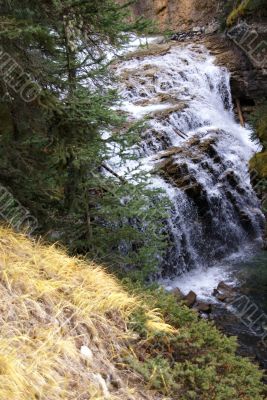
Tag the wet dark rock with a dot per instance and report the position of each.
(244, 217)
(190, 298)
(224, 292)
(232, 178)
(211, 151)
(177, 293)
(194, 191)
(204, 307)
(185, 181)
(246, 220)
(240, 189)
(217, 159)
(185, 35)
(233, 199)
(222, 286)
(224, 297)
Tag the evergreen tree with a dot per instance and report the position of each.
(55, 102)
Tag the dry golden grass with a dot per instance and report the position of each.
(52, 305)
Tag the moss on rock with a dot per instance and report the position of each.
(259, 164)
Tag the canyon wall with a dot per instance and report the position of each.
(177, 14)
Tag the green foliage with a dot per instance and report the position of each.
(259, 162)
(52, 149)
(196, 363)
(259, 122)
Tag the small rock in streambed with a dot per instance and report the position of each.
(190, 299)
(185, 35)
(197, 29)
(223, 297)
(222, 286)
(203, 307)
(224, 292)
(178, 294)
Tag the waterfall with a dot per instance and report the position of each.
(199, 151)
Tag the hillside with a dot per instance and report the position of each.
(65, 335)
(63, 321)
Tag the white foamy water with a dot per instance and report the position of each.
(138, 112)
(202, 281)
(186, 100)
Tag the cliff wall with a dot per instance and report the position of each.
(177, 15)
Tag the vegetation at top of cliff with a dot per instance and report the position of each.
(70, 330)
(55, 107)
(241, 8)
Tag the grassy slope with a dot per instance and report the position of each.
(53, 305)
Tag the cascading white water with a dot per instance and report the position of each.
(200, 152)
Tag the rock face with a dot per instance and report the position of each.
(173, 14)
(177, 165)
(248, 83)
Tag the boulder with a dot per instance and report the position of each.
(204, 307)
(190, 299)
(222, 286)
(224, 292)
(177, 293)
(224, 297)
(212, 27)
